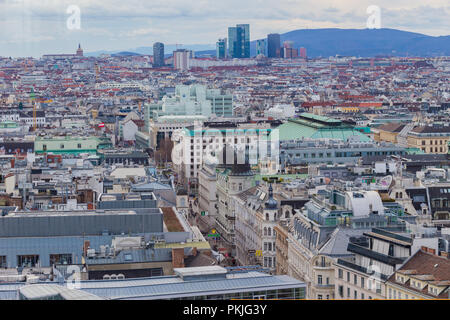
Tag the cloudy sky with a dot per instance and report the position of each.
(35, 27)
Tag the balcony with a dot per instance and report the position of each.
(358, 268)
(319, 264)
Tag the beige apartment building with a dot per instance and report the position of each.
(430, 139)
(424, 276)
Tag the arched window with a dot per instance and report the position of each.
(269, 231)
(265, 231)
(267, 217)
(286, 214)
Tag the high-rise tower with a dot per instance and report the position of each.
(158, 54)
(273, 45)
(239, 41)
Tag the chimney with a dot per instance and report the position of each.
(444, 254)
(194, 251)
(178, 257)
(13, 161)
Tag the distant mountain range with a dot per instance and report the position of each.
(346, 42)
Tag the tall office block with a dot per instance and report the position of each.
(244, 29)
(303, 53)
(158, 54)
(233, 42)
(261, 47)
(181, 58)
(273, 45)
(239, 41)
(221, 48)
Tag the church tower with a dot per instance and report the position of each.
(79, 51)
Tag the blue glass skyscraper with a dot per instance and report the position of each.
(239, 41)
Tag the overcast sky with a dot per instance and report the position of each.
(35, 27)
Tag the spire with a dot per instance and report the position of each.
(271, 203)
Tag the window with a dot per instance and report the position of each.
(391, 250)
(355, 279)
(62, 146)
(348, 292)
(341, 291)
(348, 276)
(355, 294)
(362, 282)
(319, 297)
(27, 260)
(79, 146)
(65, 258)
(44, 147)
(340, 274)
(3, 263)
(319, 279)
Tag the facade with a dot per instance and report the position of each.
(377, 255)
(430, 139)
(164, 126)
(69, 144)
(221, 49)
(282, 247)
(288, 52)
(239, 41)
(181, 59)
(45, 242)
(192, 100)
(273, 45)
(230, 182)
(207, 188)
(261, 47)
(303, 53)
(158, 54)
(332, 151)
(194, 145)
(425, 275)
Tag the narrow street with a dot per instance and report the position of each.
(206, 225)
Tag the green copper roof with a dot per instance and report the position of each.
(319, 118)
(316, 127)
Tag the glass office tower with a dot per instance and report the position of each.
(221, 48)
(239, 41)
(244, 30)
(158, 54)
(273, 45)
(261, 47)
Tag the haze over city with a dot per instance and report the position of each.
(33, 28)
(241, 152)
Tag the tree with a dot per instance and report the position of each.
(164, 153)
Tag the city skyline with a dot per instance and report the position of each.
(32, 29)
